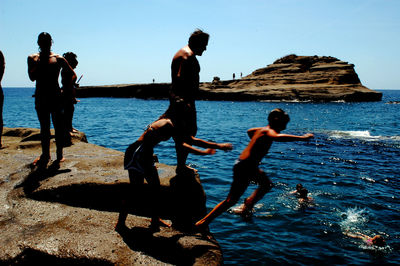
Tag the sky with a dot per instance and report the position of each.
(133, 41)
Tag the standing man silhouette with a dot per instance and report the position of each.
(44, 68)
(185, 70)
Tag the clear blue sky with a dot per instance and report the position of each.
(132, 41)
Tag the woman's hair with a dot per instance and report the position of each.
(71, 58)
(44, 41)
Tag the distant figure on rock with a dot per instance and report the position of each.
(2, 67)
(140, 165)
(233, 76)
(44, 68)
(185, 85)
(69, 92)
(246, 168)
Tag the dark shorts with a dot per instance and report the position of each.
(183, 115)
(245, 172)
(138, 158)
(139, 162)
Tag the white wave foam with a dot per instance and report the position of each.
(362, 134)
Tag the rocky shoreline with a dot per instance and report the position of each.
(67, 214)
(291, 78)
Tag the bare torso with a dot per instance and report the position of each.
(185, 74)
(258, 146)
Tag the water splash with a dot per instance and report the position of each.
(353, 217)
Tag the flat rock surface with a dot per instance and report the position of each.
(67, 214)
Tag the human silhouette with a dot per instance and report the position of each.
(246, 167)
(69, 91)
(44, 68)
(139, 162)
(185, 70)
(2, 67)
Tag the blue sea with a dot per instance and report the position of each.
(351, 168)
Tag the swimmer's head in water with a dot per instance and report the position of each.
(299, 187)
(378, 240)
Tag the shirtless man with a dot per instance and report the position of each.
(2, 67)
(246, 168)
(44, 68)
(185, 85)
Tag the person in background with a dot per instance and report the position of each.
(44, 68)
(298, 188)
(2, 67)
(377, 240)
(69, 92)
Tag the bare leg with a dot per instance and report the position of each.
(264, 186)
(44, 120)
(217, 211)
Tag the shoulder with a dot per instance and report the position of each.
(33, 56)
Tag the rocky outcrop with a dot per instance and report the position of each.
(291, 78)
(296, 78)
(66, 214)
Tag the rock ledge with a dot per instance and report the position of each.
(67, 214)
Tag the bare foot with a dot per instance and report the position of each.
(40, 161)
(155, 225)
(186, 169)
(61, 160)
(241, 210)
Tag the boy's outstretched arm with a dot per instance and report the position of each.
(287, 137)
(196, 151)
(208, 144)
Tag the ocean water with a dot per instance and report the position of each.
(351, 168)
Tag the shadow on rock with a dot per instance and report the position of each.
(34, 257)
(38, 174)
(165, 249)
(104, 197)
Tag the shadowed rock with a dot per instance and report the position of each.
(66, 214)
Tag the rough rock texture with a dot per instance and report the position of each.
(67, 214)
(291, 78)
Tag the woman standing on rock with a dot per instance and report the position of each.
(44, 68)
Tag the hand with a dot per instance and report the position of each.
(210, 151)
(308, 136)
(226, 146)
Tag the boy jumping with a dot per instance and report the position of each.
(246, 167)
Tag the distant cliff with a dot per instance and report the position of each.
(291, 78)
